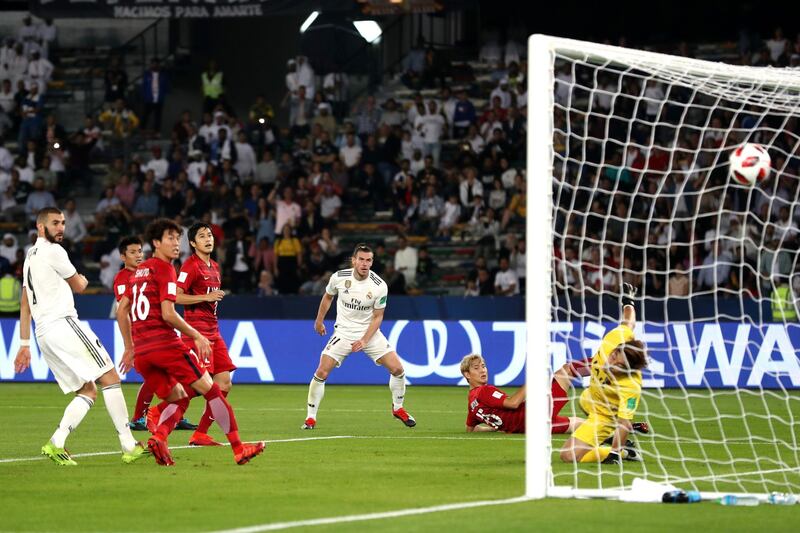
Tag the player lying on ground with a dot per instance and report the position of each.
(173, 371)
(611, 400)
(490, 409)
(199, 293)
(130, 250)
(70, 348)
(359, 312)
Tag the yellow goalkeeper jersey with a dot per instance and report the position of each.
(609, 394)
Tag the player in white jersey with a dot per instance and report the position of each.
(71, 350)
(359, 312)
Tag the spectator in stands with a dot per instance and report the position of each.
(9, 247)
(406, 260)
(40, 70)
(350, 153)
(491, 51)
(517, 209)
(300, 113)
(17, 68)
(305, 76)
(266, 284)
(778, 46)
(330, 205)
(38, 199)
(517, 262)
(464, 116)
(505, 281)
(432, 126)
(450, 216)
(266, 173)
(289, 253)
(47, 33)
(116, 81)
(433, 69)
(146, 207)
(120, 119)
(288, 212)
(262, 256)
(414, 64)
(368, 119)
(315, 269)
(486, 229)
(238, 263)
(245, 158)
(26, 34)
(395, 281)
(391, 114)
(335, 87)
(31, 111)
(79, 169)
(213, 87)
(678, 284)
(155, 86)
(325, 119)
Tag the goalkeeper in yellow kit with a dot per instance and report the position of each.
(613, 395)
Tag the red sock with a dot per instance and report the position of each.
(559, 401)
(223, 415)
(143, 399)
(171, 414)
(208, 417)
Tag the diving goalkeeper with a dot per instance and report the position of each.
(613, 395)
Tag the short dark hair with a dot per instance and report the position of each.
(635, 354)
(362, 247)
(197, 226)
(41, 216)
(155, 230)
(128, 241)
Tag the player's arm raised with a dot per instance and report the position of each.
(175, 320)
(628, 310)
(515, 400)
(23, 359)
(124, 322)
(324, 307)
(190, 299)
(374, 325)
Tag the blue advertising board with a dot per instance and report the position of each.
(287, 351)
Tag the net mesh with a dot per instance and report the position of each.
(641, 194)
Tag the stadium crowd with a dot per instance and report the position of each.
(445, 165)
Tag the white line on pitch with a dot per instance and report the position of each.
(372, 516)
(96, 454)
(278, 441)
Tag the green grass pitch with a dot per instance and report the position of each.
(380, 466)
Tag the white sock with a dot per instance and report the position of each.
(316, 390)
(397, 384)
(73, 415)
(118, 411)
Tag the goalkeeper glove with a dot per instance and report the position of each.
(628, 294)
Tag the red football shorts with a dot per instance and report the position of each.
(220, 360)
(163, 370)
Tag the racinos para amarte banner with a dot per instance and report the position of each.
(154, 9)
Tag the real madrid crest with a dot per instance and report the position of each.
(347, 284)
(369, 296)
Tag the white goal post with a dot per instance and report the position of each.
(762, 453)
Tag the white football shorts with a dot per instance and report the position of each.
(74, 354)
(339, 348)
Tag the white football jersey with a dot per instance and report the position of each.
(356, 300)
(44, 276)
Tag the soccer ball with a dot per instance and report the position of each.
(750, 163)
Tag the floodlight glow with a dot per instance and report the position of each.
(368, 29)
(309, 21)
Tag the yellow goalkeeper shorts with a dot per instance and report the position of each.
(595, 430)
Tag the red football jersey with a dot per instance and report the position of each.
(196, 278)
(486, 406)
(152, 283)
(121, 283)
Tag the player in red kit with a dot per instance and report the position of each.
(173, 371)
(489, 408)
(130, 251)
(199, 292)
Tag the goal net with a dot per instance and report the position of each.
(628, 183)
